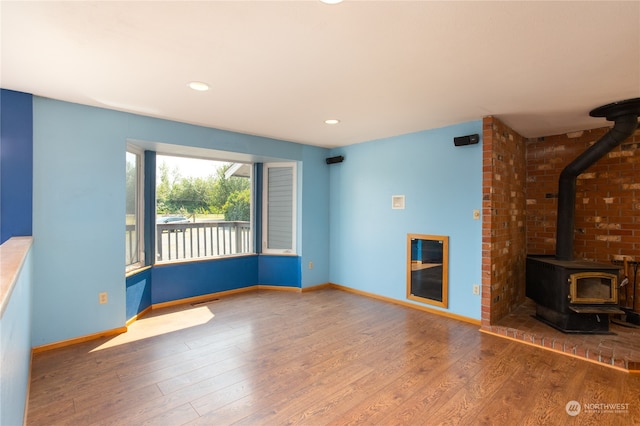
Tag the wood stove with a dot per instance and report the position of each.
(573, 296)
(577, 296)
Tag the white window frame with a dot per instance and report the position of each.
(140, 225)
(265, 209)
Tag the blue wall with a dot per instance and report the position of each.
(138, 293)
(78, 218)
(279, 271)
(15, 347)
(179, 281)
(16, 164)
(184, 280)
(346, 226)
(314, 217)
(442, 184)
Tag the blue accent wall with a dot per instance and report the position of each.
(16, 164)
(279, 270)
(15, 347)
(183, 280)
(442, 184)
(138, 293)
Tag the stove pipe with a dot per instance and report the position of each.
(624, 114)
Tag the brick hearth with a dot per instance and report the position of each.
(621, 350)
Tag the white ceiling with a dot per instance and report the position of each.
(279, 69)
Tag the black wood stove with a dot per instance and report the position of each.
(577, 296)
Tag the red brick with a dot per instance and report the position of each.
(524, 199)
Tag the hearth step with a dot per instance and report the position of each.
(596, 309)
(631, 316)
(624, 323)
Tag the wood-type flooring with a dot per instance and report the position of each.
(324, 357)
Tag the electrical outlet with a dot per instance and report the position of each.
(103, 298)
(310, 265)
(476, 289)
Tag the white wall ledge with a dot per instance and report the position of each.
(12, 256)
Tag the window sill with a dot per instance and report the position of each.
(202, 259)
(136, 271)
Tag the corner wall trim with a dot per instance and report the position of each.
(201, 298)
(407, 304)
(317, 287)
(138, 315)
(278, 288)
(206, 297)
(26, 402)
(81, 339)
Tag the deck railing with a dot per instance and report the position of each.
(176, 241)
(131, 246)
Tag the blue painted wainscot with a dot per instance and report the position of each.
(282, 271)
(182, 280)
(138, 292)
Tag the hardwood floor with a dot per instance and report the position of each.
(316, 358)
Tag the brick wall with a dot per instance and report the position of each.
(607, 199)
(503, 220)
(608, 196)
(520, 190)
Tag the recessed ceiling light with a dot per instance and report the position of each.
(199, 86)
(331, 1)
(331, 121)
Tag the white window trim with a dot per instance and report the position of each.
(265, 209)
(140, 225)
